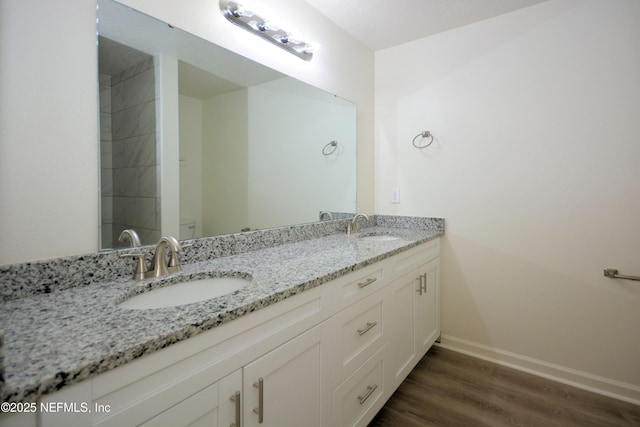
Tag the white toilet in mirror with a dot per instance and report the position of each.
(187, 228)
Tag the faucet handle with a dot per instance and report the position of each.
(174, 260)
(174, 263)
(141, 264)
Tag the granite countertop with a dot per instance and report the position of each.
(52, 340)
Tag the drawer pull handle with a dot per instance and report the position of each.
(367, 328)
(367, 282)
(370, 390)
(236, 398)
(260, 409)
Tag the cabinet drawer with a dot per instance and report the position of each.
(415, 257)
(359, 334)
(361, 284)
(359, 397)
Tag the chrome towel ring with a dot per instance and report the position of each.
(330, 148)
(423, 134)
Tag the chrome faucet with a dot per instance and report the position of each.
(160, 268)
(159, 265)
(131, 236)
(354, 225)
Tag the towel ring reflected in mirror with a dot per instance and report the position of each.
(423, 134)
(330, 148)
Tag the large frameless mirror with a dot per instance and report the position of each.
(198, 141)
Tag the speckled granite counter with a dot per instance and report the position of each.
(63, 337)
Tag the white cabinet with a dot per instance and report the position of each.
(357, 360)
(362, 394)
(21, 419)
(381, 336)
(415, 310)
(210, 407)
(283, 387)
(427, 307)
(329, 356)
(402, 308)
(357, 333)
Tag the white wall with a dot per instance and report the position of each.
(49, 107)
(535, 168)
(48, 129)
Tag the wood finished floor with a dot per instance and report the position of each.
(451, 389)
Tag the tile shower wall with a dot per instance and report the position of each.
(106, 164)
(130, 193)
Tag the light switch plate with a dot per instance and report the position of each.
(395, 195)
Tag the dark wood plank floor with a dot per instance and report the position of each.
(451, 389)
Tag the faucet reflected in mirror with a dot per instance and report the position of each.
(248, 139)
(131, 236)
(323, 214)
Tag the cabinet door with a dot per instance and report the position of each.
(209, 407)
(415, 312)
(401, 310)
(427, 307)
(282, 388)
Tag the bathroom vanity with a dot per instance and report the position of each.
(324, 334)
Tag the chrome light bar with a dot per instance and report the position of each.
(255, 24)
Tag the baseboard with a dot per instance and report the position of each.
(605, 386)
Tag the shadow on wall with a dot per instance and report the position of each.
(460, 314)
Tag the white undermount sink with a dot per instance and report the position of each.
(185, 293)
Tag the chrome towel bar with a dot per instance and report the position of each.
(613, 273)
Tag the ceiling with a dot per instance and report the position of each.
(380, 24)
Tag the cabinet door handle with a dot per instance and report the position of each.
(367, 282)
(236, 398)
(260, 409)
(424, 282)
(367, 328)
(365, 396)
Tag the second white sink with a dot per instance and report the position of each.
(185, 293)
(380, 237)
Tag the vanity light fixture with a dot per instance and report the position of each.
(255, 24)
